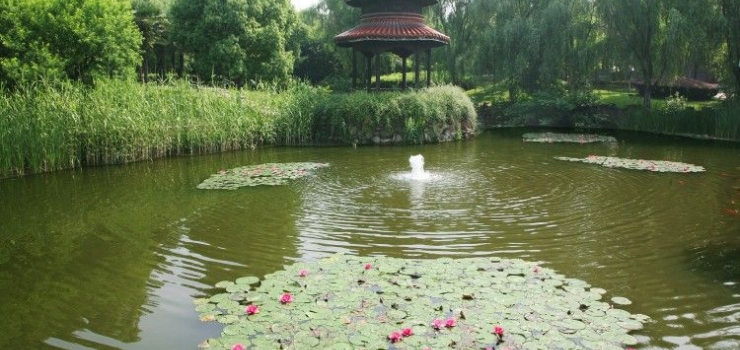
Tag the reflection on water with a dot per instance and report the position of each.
(112, 257)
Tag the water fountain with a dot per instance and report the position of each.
(417, 168)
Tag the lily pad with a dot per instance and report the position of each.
(621, 301)
(662, 166)
(330, 309)
(551, 137)
(269, 174)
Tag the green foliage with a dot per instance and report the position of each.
(730, 27)
(60, 39)
(322, 22)
(345, 302)
(719, 121)
(236, 41)
(550, 137)
(295, 122)
(660, 166)
(513, 42)
(418, 116)
(158, 53)
(557, 107)
(44, 128)
(675, 104)
(270, 174)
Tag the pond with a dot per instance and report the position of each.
(112, 257)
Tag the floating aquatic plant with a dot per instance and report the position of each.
(550, 137)
(662, 166)
(271, 174)
(414, 304)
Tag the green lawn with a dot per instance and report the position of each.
(620, 97)
(488, 93)
(624, 97)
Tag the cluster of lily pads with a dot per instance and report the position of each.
(550, 137)
(271, 174)
(349, 302)
(663, 166)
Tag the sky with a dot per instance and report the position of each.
(302, 4)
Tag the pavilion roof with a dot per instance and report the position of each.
(392, 27)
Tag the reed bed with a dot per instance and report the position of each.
(45, 128)
(49, 128)
(720, 122)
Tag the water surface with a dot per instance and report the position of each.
(112, 257)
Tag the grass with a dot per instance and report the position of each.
(624, 97)
(488, 93)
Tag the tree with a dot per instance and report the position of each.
(456, 19)
(322, 23)
(158, 54)
(236, 41)
(658, 34)
(730, 10)
(66, 39)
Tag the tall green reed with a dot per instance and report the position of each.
(45, 128)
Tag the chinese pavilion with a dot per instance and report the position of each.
(395, 26)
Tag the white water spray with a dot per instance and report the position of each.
(417, 167)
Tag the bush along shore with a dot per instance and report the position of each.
(675, 116)
(46, 128)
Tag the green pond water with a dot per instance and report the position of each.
(113, 257)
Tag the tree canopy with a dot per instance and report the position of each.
(66, 39)
(236, 40)
(524, 45)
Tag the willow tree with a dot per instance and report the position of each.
(236, 41)
(657, 34)
(730, 10)
(458, 19)
(535, 45)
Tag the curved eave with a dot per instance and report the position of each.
(375, 41)
(390, 31)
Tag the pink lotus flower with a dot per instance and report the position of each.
(395, 337)
(407, 332)
(303, 273)
(450, 322)
(368, 266)
(499, 331)
(237, 347)
(252, 309)
(437, 324)
(286, 298)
